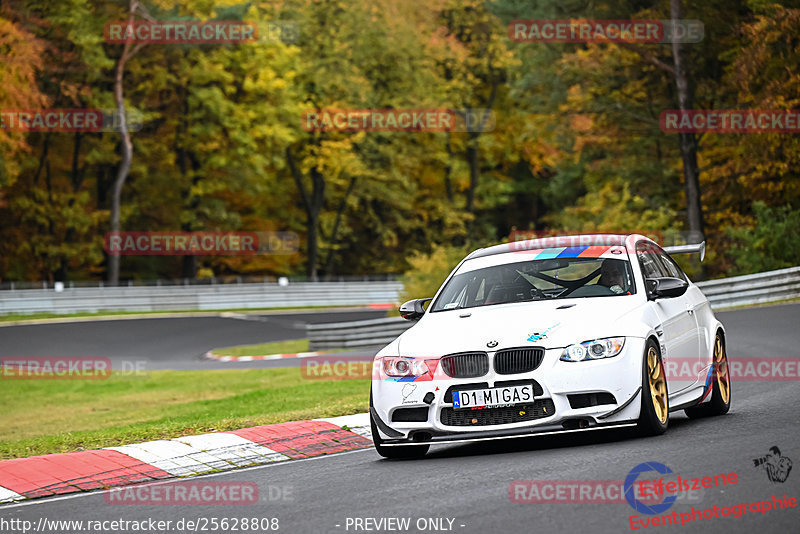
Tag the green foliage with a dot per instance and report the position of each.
(576, 144)
(427, 271)
(614, 209)
(772, 242)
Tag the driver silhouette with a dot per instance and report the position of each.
(612, 276)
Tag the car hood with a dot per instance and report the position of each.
(549, 324)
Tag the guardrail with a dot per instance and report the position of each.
(218, 280)
(728, 292)
(219, 297)
(372, 332)
(750, 289)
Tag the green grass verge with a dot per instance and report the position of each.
(49, 416)
(274, 347)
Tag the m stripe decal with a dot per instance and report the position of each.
(594, 251)
(549, 253)
(571, 252)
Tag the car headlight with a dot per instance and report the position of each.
(399, 366)
(593, 350)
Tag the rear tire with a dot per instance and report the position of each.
(402, 452)
(654, 415)
(721, 386)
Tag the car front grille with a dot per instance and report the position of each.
(465, 364)
(498, 416)
(515, 361)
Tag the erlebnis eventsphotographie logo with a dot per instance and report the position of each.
(776, 466)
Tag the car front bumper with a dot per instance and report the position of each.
(569, 397)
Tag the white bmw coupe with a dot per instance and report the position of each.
(546, 336)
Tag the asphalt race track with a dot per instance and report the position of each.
(470, 483)
(173, 343)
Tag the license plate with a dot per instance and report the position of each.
(493, 397)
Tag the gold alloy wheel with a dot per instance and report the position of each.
(658, 386)
(721, 371)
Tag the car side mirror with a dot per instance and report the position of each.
(666, 287)
(413, 309)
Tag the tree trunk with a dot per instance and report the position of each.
(474, 171)
(76, 178)
(184, 158)
(473, 138)
(42, 159)
(312, 246)
(334, 237)
(688, 141)
(127, 147)
(317, 199)
(313, 206)
(448, 171)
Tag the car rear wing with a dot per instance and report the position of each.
(688, 249)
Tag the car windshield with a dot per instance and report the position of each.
(534, 279)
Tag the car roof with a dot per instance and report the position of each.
(563, 241)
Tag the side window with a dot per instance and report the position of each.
(456, 299)
(671, 267)
(648, 260)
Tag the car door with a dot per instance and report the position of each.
(695, 300)
(678, 333)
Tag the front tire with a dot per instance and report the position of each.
(393, 453)
(721, 386)
(654, 415)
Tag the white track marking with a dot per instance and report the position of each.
(6, 495)
(231, 448)
(357, 423)
(174, 457)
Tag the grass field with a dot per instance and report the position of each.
(47, 416)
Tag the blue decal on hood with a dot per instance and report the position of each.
(538, 336)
